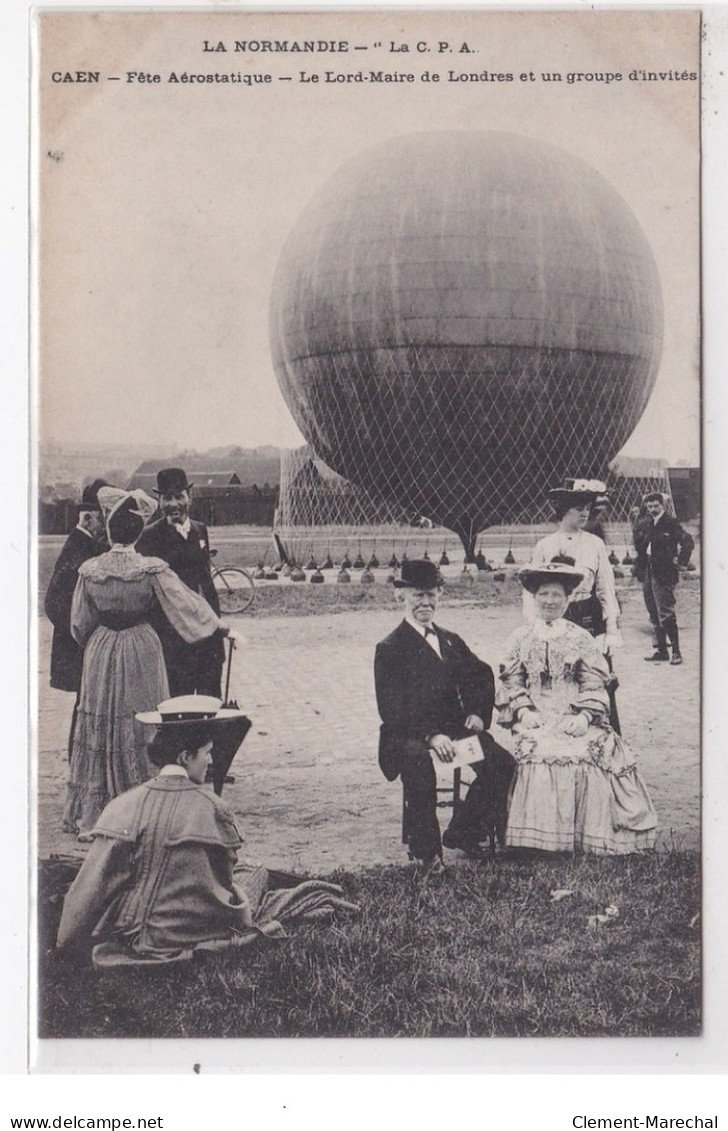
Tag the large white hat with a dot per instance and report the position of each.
(112, 498)
(580, 491)
(532, 577)
(189, 709)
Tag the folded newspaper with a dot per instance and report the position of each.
(467, 750)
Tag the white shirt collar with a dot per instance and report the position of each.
(173, 771)
(417, 626)
(182, 528)
(431, 639)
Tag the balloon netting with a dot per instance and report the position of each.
(468, 437)
(321, 515)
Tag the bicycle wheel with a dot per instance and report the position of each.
(235, 589)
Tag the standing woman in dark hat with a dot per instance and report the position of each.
(593, 606)
(576, 786)
(123, 664)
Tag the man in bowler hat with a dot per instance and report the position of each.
(431, 689)
(184, 544)
(86, 540)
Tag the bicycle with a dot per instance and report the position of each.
(234, 586)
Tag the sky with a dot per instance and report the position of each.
(163, 208)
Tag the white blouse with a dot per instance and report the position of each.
(591, 559)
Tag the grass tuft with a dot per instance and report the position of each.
(481, 951)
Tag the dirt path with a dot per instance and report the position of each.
(308, 792)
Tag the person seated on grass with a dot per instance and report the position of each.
(158, 879)
(576, 787)
(430, 690)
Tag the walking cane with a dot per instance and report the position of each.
(231, 646)
(231, 735)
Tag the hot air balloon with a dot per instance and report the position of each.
(459, 320)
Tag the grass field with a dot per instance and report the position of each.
(481, 951)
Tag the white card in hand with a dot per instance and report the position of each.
(467, 750)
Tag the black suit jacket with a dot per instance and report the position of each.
(419, 694)
(670, 547)
(190, 559)
(66, 655)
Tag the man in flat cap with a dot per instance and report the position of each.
(86, 540)
(663, 547)
(431, 689)
(184, 544)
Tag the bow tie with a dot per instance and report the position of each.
(430, 632)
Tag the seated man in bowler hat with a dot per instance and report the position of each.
(431, 689)
(184, 544)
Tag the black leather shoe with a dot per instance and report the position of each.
(658, 657)
(470, 847)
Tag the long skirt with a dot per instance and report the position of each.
(579, 795)
(123, 673)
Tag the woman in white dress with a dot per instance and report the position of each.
(594, 605)
(123, 664)
(576, 786)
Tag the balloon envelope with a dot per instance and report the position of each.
(459, 320)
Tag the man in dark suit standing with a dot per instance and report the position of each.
(662, 546)
(184, 544)
(431, 689)
(86, 540)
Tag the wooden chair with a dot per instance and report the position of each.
(451, 795)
